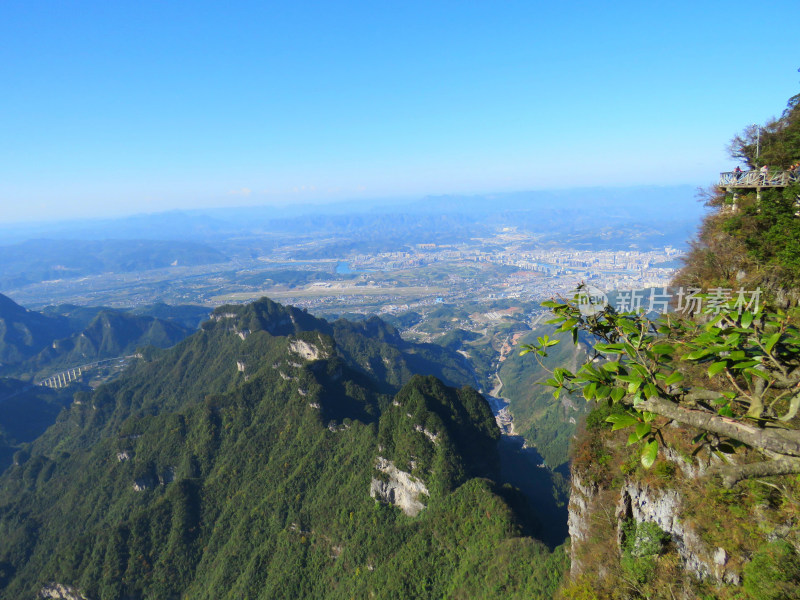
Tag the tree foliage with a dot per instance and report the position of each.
(777, 143)
(733, 375)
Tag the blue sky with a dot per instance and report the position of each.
(113, 108)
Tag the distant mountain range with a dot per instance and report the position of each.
(48, 259)
(568, 209)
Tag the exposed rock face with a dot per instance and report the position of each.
(142, 484)
(581, 505)
(433, 437)
(403, 489)
(638, 501)
(59, 591)
(149, 482)
(221, 316)
(240, 366)
(306, 350)
(123, 456)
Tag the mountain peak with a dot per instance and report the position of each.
(10, 308)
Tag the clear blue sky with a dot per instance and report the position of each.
(112, 108)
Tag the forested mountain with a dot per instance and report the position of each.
(26, 411)
(110, 334)
(548, 424)
(23, 333)
(35, 344)
(79, 317)
(259, 458)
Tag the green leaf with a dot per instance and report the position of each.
(642, 429)
(717, 367)
(568, 324)
(663, 349)
(617, 394)
(622, 421)
(725, 411)
(588, 391)
(674, 378)
(649, 453)
(759, 373)
(697, 354)
(602, 392)
(633, 438)
(745, 364)
(747, 318)
(714, 321)
(773, 339)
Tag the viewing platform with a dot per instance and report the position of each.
(758, 180)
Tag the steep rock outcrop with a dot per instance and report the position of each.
(640, 502)
(401, 489)
(582, 501)
(59, 591)
(704, 535)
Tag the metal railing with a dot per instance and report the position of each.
(758, 179)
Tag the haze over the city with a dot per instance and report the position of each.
(121, 108)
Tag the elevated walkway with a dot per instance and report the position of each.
(757, 180)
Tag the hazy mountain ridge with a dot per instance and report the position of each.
(35, 260)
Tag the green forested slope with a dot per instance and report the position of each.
(23, 333)
(239, 464)
(546, 423)
(110, 334)
(25, 412)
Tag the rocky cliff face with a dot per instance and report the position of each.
(698, 537)
(59, 591)
(402, 489)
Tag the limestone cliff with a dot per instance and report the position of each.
(401, 489)
(670, 531)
